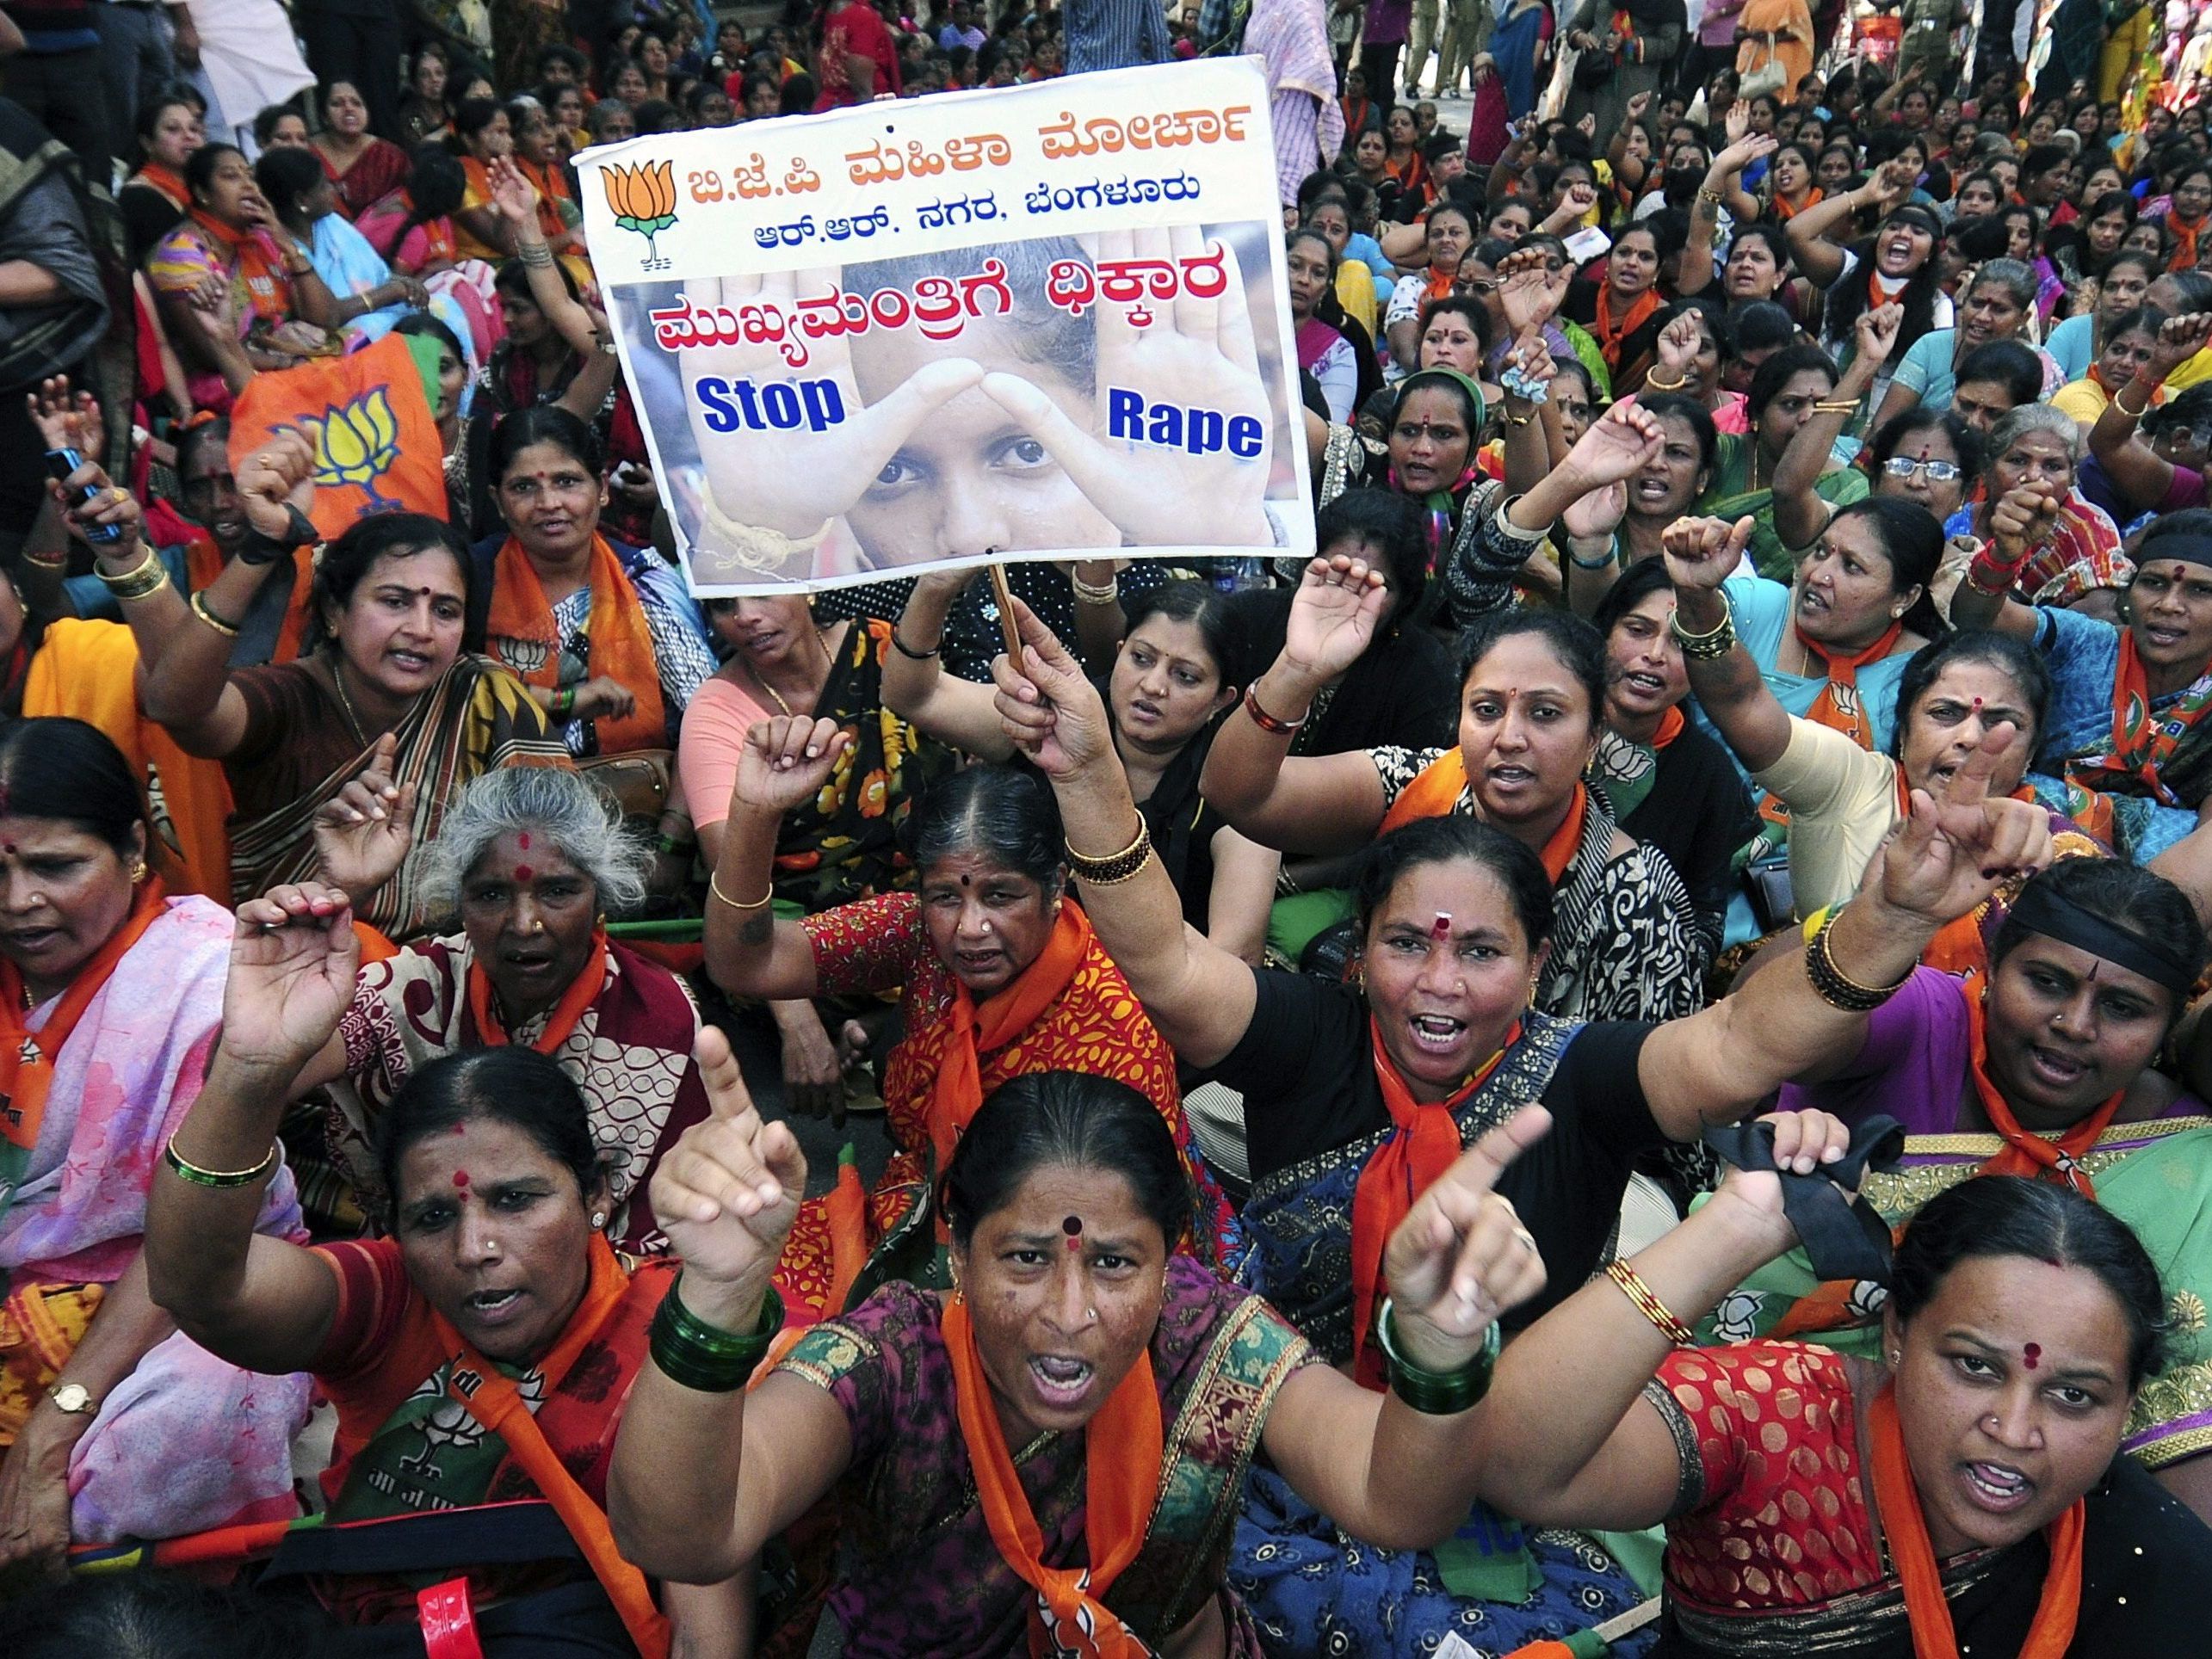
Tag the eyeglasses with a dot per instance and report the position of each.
(1479, 286)
(1904, 466)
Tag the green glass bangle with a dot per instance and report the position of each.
(1434, 1393)
(219, 1178)
(706, 1357)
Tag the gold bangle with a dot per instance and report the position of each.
(1106, 593)
(1835, 987)
(2132, 414)
(1652, 385)
(1648, 1305)
(714, 886)
(1115, 868)
(1712, 196)
(1835, 406)
(148, 576)
(200, 1177)
(36, 562)
(199, 609)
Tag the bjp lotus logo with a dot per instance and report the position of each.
(643, 198)
(356, 443)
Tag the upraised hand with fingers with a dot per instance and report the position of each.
(1051, 711)
(1702, 553)
(787, 760)
(363, 832)
(1951, 854)
(279, 474)
(2025, 517)
(67, 420)
(292, 962)
(1875, 334)
(1627, 439)
(1462, 1257)
(1334, 614)
(2180, 338)
(1530, 290)
(1197, 355)
(727, 1192)
(513, 194)
(793, 481)
(1678, 344)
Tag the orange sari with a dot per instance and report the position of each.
(622, 646)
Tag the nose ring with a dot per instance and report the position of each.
(1090, 1316)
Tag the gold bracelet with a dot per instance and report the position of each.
(148, 576)
(199, 609)
(1712, 196)
(1106, 593)
(714, 886)
(1651, 385)
(1115, 868)
(1835, 405)
(1648, 1305)
(1835, 987)
(2132, 414)
(200, 1177)
(36, 562)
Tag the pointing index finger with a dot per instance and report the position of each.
(1480, 1165)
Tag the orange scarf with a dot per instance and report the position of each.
(1004, 1015)
(2141, 743)
(27, 1057)
(2026, 1154)
(622, 643)
(256, 264)
(1611, 333)
(1435, 793)
(204, 562)
(1670, 728)
(1885, 290)
(552, 189)
(168, 182)
(1409, 1161)
(1837, 707)
(560, 1022)
(2184, 240)
(488, 1395)
(1905, 1531)
(1122, 1448)
(1785, 212)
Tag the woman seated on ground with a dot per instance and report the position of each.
(481, 134)
(2001, 304)
(1180, 667)
(608, 637)
(111, 998)
(426, 107)
(1322, 350)
(480, 1354)
(2022, 1326)
(1451, 233)
(2130, 343)
(1371, 1084)
(997, 973)
(1895, 265)
(1621, 311)
(2126, 696)
(843, 843)
(2076, 343)
(155, 197)
(1671, 787)
(1110, 1364)
(363, 168)
(539, 157)
(367, 297)
(532, 862)
(411, 229)
(2166, 474)
(390, 599)
(2079, 563)
(237, 292)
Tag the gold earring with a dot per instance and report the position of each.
(138, 871)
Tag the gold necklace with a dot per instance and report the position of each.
(338, 679)
(761, 680)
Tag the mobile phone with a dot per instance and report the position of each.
(61, 463)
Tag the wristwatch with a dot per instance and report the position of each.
(74, 1398)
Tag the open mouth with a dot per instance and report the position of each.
(978, 962)
(1811, 603)
(2056, 1069)
(1994, 1487)
(29, 941)
(1642, 683)
(1506, 775)
(409, 662)
(2164, 638)
(1061, 1380)
(495, 1307)
(1436, 1034)
(1654, 489)
(1142, 709)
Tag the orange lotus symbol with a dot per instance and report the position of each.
(643, 198)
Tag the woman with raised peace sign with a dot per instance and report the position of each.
(1137, 1386)
(480, 1353)
(998, 440)
(1358, 1091)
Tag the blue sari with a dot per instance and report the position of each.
(1513, 44)
(350, 267)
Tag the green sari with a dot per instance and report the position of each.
(1731, 497)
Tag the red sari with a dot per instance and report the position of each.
(375, 174)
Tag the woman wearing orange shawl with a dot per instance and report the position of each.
(481, 1354)
(607, 638)
(1136, 1388)
(1371, 1083)
(998, 975)
(1958, 1493)
(2189, 212)
(1775, 32)
(482, 132)
(155, 197)
(1622, 310)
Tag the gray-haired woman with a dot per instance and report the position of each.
(531, 860)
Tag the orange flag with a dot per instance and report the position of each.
(376, 445)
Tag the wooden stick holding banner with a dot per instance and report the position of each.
(1007, 629)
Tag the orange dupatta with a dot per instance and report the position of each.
(1838, 705)
(1435, 793)
(168, 181)
(622, 643)
(2024, 1153)
(204, 562)
(1610, 334)
(2184, 240)
(2141, 742)
(560, 1022)
(1122, 1448)
(488, 1395)
(27, 1057)
(1905, 1529)
(259, 267)
(1004, 1015)
(1405, 1165)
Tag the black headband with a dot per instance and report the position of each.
(2190, 550)
(2041, 908)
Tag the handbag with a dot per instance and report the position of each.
(637, 782)
(1767, 77)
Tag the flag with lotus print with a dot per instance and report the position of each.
(376, 443)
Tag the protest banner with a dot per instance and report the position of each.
(1031, 322)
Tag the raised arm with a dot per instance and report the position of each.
(1800, 514)
(1201, 996)
(255, 1301)
(515, 206)
(2138, 474)
(1715, 1065)
(1627, 168)
(750, 950)
(1811, 233)
(916, 687)
(1564, 1439)
(1727, 684)
(2023, 519)
(706, 1471)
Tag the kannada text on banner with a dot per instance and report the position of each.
(1035, 321)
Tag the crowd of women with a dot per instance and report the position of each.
(1616, 1062)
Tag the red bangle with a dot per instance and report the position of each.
(1265, 721)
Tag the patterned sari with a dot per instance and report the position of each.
(475, 719)
(917, 1574)
(1310, 1587)
(1094, 1025)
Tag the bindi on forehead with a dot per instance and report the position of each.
(1072, 1226)
(523, 873)
(2031, 1355)
(460, 1178)
(1441, 928)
